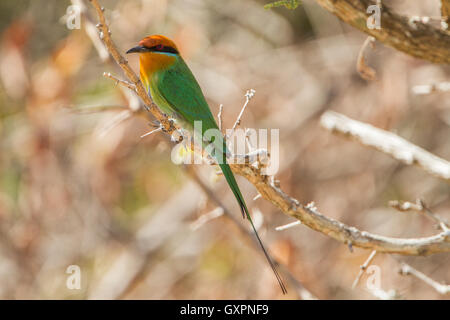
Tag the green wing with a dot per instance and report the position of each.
(178, 87)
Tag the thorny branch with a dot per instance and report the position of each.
(408, 270)
(270, 190)
(105, 36)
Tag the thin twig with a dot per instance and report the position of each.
(425, 89)
(250, 145)
(420, 207)
(406, 269)
(248, 96)
(287, 226)
(219, 117)
(363, 69)
(127, 84)
(105, 36)
(386, 142)
(363, 268)
(91, 30)
(151, 132)
(217, 212)
(404, 206)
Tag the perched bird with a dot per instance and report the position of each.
(176, 92)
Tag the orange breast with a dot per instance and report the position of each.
(151, 62)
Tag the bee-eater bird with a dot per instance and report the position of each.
(173, 88)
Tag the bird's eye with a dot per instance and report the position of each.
(159, 47)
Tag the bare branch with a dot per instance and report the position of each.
(287, 226)
(404, 206)
(91, 31)
(257, 197)
(363, 69)
(419, 40)
(151, 132)
(219, 117)
(387, 142)
(119, 81)
(105, 36)
(363, 268)
(420, 207)
(217, 212)
(313, 219)
(248, 96)
(425, 89)
(408, 270)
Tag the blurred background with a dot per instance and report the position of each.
(78, 186)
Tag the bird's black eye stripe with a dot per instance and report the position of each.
(160, 48)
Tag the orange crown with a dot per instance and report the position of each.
(155, 40)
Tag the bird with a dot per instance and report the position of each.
(174, 89)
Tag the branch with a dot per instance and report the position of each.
(417, 39)
(219, 117)
(105, 36)
(363, 69)
(408, 270)
(91, 31)
(315, 220)
(287, 226)
(270, 190)
(425, 89)
(420, 207)
(119, 81)
(387, 142)
(248, 96)
(363, 268)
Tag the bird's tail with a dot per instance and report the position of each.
(240, 199)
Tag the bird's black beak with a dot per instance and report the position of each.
(137, 49)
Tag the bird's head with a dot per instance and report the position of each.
(156, 44)
(156, 53)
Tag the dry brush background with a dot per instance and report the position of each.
(79, 186)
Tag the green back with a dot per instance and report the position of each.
(177, 92)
